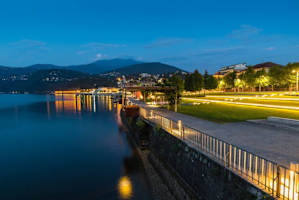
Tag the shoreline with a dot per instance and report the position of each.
(158, 188)
(164, 184)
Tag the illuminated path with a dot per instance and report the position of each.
(276, 144)
(247, 97)
(246, 104)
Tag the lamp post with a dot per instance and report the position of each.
(297, 77)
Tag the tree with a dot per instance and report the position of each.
(221, 84)
(229, 79)
(290, 73)
(198, 81)
(194, 81)
(178, 83)
(277, 76)
(261, 79)
(240, 82)
(210, 82)
(188, 82)
(205, 79)
(249, 77)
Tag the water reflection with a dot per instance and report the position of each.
(74, 103)
(68, 103)
(68, 147)
(125, 187)
(118, 117)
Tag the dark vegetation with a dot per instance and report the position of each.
(149, 68)
(192, 82)
(44, 81)
(276, 77)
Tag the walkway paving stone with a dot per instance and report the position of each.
(276, 144)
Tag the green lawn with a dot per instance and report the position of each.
(277, 94)
(257, 101)
(221, 112)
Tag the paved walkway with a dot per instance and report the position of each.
(276, 144)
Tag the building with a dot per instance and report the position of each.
(231, 68)
(266, 66)
(108, 90)
(145, 75)
(241, 68)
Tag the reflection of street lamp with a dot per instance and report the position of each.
(297, 77)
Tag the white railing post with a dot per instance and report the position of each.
(180, 125)
(279, 181)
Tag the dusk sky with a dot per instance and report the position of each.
(188, 34)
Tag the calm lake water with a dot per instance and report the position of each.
(66, 147)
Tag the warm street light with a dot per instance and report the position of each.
(297, 77)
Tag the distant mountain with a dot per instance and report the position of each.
(97, 67)
(101, 66)
(56, 75)
(44, 66)
(10, 71)
(150, 68)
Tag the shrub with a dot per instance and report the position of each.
(140, 124)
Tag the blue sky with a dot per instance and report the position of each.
(189, 34)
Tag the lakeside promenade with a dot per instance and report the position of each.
(276, 144)
(258, 153)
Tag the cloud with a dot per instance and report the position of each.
(140, 58)
(102, 45)
(93, 47)
(26, 47)
(173, 59)
(167, 42)
(28, 43)
(81, 52)
(245, 32)
(270, 48)
(219, 51)
(99, 56)
(28, 51)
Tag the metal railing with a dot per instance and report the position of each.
(278, 181)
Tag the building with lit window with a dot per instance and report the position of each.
(231, 68)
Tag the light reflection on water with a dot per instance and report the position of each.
(67, 147)
(74, 103)
(125, 187)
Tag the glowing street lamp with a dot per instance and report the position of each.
(297, 77)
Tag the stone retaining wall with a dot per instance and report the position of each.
(206, 178)
(200, 176)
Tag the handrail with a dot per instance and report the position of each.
(276, 180)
